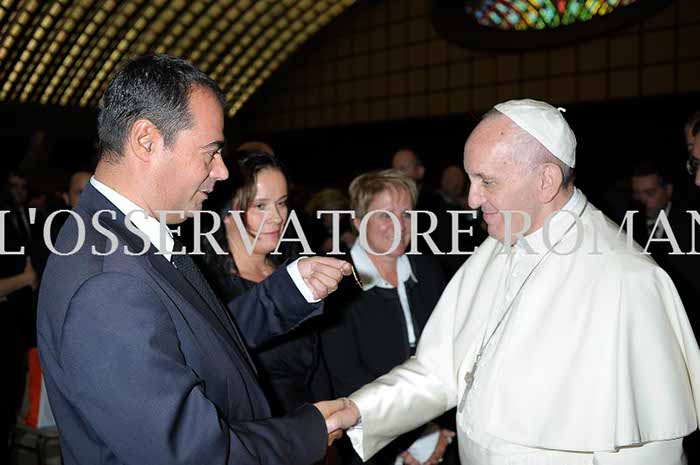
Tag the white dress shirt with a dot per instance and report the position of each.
(162, 238)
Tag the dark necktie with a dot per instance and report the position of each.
(194, 276)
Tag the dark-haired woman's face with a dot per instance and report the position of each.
(270, 204)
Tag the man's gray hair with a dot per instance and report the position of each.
(537, 154)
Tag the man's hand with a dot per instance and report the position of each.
(322, 274)
(408, 459)
(340, 414)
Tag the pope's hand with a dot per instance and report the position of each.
(444, 440)
(340, 414)
(322, 274)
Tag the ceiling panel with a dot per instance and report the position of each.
(64, 52)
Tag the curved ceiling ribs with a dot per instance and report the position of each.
(63, 52)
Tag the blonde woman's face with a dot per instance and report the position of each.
(380, 227)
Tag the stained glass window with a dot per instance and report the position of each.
(522, 15)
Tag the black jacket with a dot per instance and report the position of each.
(365, 336)
(142, 368)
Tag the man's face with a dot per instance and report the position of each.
(380, 227)
(17, 186)
(650, 192)
(185, 173)
(77, 183)
(407, 162)
(689, 139)
(498, 183)
(453, 181)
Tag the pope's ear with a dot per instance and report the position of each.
(144, 139)
(551, 180)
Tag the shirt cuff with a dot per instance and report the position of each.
(293, 270)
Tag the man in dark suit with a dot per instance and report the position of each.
(142, 363)
(654, 193)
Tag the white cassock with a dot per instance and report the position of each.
(595, 363)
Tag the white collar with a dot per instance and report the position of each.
(147, 224)
(369, 275)
(558, 226)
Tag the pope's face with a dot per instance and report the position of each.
(498, 183)
(187, 171)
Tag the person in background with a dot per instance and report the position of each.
(688, 131)
(70, 196)
(76, 184)
(375, 327)
(694, 153)
(18, 282)
(652, 190)
(654, 193)
(256, 145)
(453, 190)
(258, 185)
(329, 199)
(453, 187)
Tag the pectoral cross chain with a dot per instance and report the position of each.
(469, 382)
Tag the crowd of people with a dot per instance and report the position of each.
(230, 356)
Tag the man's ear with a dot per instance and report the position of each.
(144, 139)
(551, 180)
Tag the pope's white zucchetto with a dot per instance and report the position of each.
(546, 124)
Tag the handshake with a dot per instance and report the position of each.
(340, 414)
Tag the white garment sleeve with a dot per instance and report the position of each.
(651, 453)
(293, 270)
(416, 391)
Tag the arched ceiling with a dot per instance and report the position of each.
(63, 52)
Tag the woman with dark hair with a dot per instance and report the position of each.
(258, 188)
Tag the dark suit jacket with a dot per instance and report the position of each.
(681, 268)
(141, 370)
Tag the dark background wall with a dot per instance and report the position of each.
(380, 77)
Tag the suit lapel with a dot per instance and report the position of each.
(220, 322)
(92, 200)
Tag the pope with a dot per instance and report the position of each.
(556, 342)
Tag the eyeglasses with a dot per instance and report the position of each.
(692, 165)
